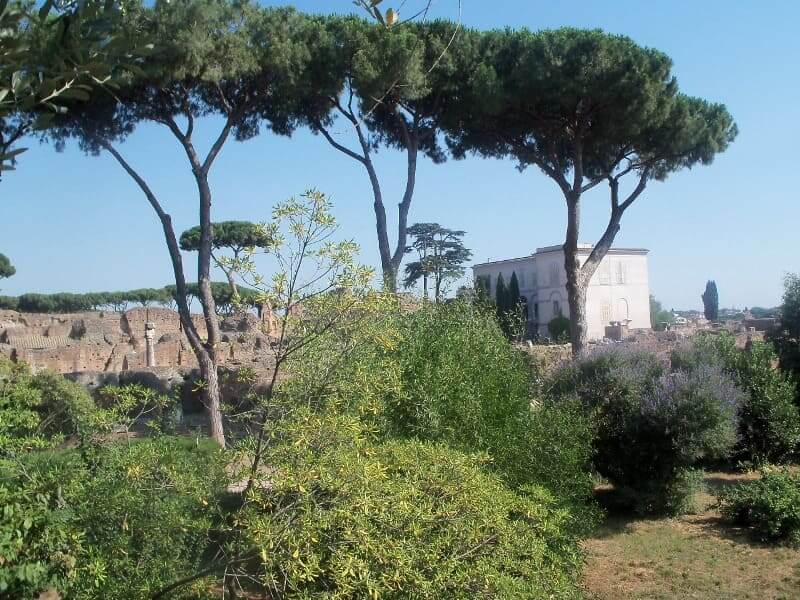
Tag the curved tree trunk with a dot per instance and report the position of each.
(205, 357)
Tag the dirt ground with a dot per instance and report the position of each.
(695, 556)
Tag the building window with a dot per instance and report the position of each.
(605, 316)
(535, 311)
(604, 274)
(554, 274)
(557, 308)
(621, 272)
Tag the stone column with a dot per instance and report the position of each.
(149, 339)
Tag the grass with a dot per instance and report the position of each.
(695, 556)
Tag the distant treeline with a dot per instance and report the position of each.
(64, 302)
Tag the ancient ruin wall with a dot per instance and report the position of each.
(110, 342)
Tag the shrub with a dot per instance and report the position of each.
(39, 540)
(37, 411)
(130, 519)
(399, 519)
(446, 373)
(558, 328)
(652, 427)
(769, 421)
(770, 505)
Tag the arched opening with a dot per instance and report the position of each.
(623, 313)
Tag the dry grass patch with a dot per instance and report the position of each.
(696, 556)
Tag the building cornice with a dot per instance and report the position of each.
(583, 249)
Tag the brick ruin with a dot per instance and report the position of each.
(118, 342)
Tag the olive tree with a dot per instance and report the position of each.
(227, 59)
(586, 108)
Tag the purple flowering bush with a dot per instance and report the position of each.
(652, 427)
(769, 419)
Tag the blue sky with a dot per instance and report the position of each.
(75, 223)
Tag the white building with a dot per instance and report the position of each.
(619, 291)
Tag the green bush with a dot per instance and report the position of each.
(446, 373)
(350, 518)
(39, 410)
(120, 523)
(652, 428)
(769, 421)
(558, 328)
(39, 540)
(770, 505)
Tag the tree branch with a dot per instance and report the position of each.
(341, 148)
(172, 245)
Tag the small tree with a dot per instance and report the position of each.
(316, 286)
(711, 301)
(236, 236)
(441, 255)
(6, 268)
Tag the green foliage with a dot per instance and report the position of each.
(233, 235)
(559, 328)
(39, 541)
(658, 316)
(37, 411)
(124, 405)
(6, 268)
(52, 55)
(118, 523)
(625, 95)
(711, 301)
(349, 518)
(769, 421)
(513, 290)
(153, 500)
(447, 374)
(119, 301)
(770, 505)
(441, 256)
(787, 337)
(117, 519)
(501, 296)
(652, 427)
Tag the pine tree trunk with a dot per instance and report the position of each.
(576, 287)
(211, 397)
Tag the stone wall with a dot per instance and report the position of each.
(109, 342)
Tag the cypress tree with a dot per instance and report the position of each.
(501, 296)
(711, 301)
(513, 292)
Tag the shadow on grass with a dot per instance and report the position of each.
(621, 518)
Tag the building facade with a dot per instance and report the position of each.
(619, 291)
